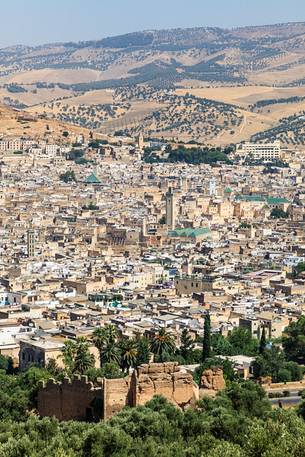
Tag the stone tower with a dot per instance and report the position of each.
(140, 141)
(31, 244)
(212, 187)
(170, 209)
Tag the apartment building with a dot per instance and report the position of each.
(267, 151)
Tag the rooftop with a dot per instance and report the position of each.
(189, 232)
(263, 199)
(92, 179)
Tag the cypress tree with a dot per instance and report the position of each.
(206, 346)
(262, 343)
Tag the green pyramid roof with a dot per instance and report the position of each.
(92, 179)
(228, 190)
(189, 232)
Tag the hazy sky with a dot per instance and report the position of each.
(43, 21)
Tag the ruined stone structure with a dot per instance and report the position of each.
(163, 379)
(79, 399)
(75, 399)
(212, 381)
(116, 395)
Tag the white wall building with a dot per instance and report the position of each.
(267, 151)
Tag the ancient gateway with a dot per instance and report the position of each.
(79, 399)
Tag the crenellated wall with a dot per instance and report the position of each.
(75, 399)
(78, 399)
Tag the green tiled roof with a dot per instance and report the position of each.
(189, 232)
(92, 179)
(276, 200)
(262, 199)
(251, 198)
(228, 190)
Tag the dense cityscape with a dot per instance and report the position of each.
(127, 277)
(152, 229)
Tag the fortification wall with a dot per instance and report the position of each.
(78, 399)
(164, 379)
(75, 399)
(116, 395)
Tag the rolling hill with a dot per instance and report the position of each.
(91, 83)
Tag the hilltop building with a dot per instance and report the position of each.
(267, 151)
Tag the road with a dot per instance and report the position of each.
(293, 400)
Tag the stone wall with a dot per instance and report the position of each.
(80, 400)
(75, 399)
(116, 395)
(163, 379)
(269, 386)
(212, 382)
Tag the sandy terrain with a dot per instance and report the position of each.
(41, 96)
(245, 95)
(92, 98)
(137, 113)
(50, 75)
(278, 77)
(12, 123)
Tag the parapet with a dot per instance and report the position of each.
(80, 399)
(72, 399)
(164, 379)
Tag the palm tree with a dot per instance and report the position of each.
(143, 348)
(110, 353)
(77, 357)
(103, 337)
(162, 342)
(83, 358)
(129, 353)
(111, 333)
(99, 340)
(68, 355)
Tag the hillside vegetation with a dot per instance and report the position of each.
(165, 82)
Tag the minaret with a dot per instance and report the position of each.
(212, 188)
(31, 245)
(141, 141)
(144, 227)
(170, 209)
(96, 170)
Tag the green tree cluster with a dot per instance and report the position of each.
(193, 156)
(272, 362)
(239, 422)
(238, 342)
(278, 213)
(294, 341)
(68, 176)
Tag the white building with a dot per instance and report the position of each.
(14, 144)
(52, 149)
(267, 151)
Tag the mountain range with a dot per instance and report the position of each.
(253, 76)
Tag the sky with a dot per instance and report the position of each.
(35, 22)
